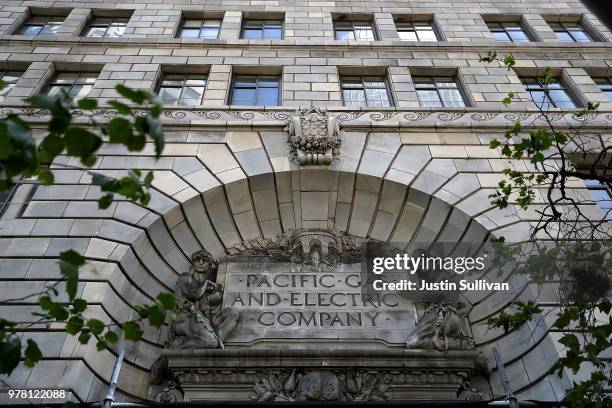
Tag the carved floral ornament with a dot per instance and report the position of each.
(313, 137)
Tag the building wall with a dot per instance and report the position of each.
(225, 176)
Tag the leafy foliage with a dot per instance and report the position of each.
(523, 314)
(20, 156)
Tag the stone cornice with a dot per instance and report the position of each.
(347, 118)
(382, 45)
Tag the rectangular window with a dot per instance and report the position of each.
(571, 32)
(202, 28)
(41, 25)
(416, 31)
(255, 90)
(605, 84)
(262, 30)
(601, 195)
(365, 91)
(553, 95)
(109, 27)
(438, 92)
(76, 84)
(354, 30)
(182, 89)
(508, 32)
(10, 78)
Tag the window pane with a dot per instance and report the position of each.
(115, 31)
(518, 36)
(500, 36)
(377, 97)
(49, 29)
(608, 94)
(344, 35)
(427, 34)
(451, 97)
(243, 96)
(252, 34)
(191, 23)
(192, 95)
(428, 98)
(190, 33)
(30, 30)
(581, 36)
(267, 97)
(273, 33)
(79, 91)
(209, 32)
(364, 34)
(354, 97)
(96, 32)
(564, 36)
(407, 35)
(169, 95)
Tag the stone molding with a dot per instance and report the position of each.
(279, 117)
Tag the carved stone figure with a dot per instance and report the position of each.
(442, 327)
(201, 322)
(313, 137)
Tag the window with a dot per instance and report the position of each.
(365, 91)
(262, 30)
(508, 32)
(354, 30)
(602, 195)
(605, 84)
(438, 92)
(41, 25)
(571, 32)
(416, 31)
(194, 28)
(553, 95)
(255, 90)
(110, 27)
(76, 84)
(182, 89)
(10, 78)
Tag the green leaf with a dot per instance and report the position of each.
(79, 304)
(100, 345)
(74, 325)
(96, 326)
(105, 201)
(119, 131)
(70, 262)
(84, 337)
(81, 143)
(509, 60)
(137, 96)
(167, 300)
(148, 179)
(52, 145)
(122, 108)
(46, 177)
(111, 337)
(131, 331)
(87, 104)
(10, 352)
(32, 354)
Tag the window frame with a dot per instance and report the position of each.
(48, 23)
(364, 78)
(562, 25)
(434, 81)
(9, 85)
(502, 28)
(201, 28)
(263, 21)
(92, 24)
(53, 83)
(370, 22)
(182, 86)
(539, 86)
(237, 76)
(414, 24)
(605, 88)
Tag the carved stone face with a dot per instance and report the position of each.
(203, 264)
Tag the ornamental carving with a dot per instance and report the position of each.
(318, 248)
(313, 137)
(442, 327)
(201, 322)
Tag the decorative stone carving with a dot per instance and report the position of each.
(201, 322)
(352, 385)
(313, 137)
(468, 393)
(442, 327)
(315, 247)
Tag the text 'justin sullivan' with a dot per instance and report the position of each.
(444, 285)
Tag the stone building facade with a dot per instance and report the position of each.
(412, 108)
